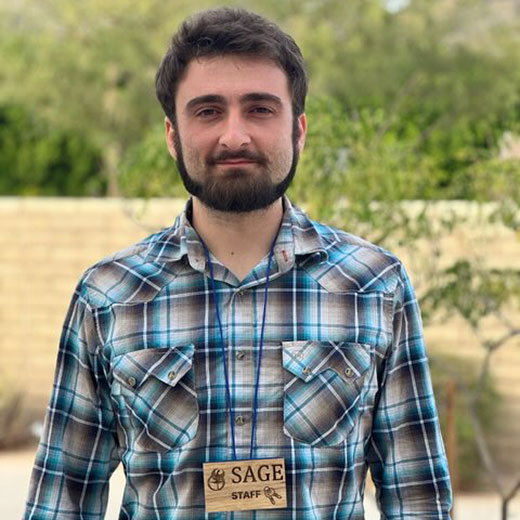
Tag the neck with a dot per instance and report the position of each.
(238, 240)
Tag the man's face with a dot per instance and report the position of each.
(235, 139)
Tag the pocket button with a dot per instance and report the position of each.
(306, 370)
(171, 375)
(131, 381)
(349, 372)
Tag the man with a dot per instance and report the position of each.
(247, 349)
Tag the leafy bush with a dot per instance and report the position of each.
(148, 170)
(493, 179)
(38, 159)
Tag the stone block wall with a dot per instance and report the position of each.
(47, 243)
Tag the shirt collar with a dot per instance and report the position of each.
(297, 237)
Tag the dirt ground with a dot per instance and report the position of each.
(15, 470)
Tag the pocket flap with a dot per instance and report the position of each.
(167, 364)
(307, 359)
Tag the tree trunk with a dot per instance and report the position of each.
(505, 503)
(112, 158)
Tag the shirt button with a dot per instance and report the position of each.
(240, 354)
(240, 293)
(171, 375)
(240, 420)
(131, 381)
(349, 372)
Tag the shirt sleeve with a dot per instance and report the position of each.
(78, 448)
(406, 453)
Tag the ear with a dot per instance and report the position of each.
(302, 131)
(169, 133)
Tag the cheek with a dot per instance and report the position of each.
(193, 150)
(194, 142)
(281, 162)
(284, 148)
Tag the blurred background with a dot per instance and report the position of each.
(414, 143)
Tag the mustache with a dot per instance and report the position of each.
(230, 155)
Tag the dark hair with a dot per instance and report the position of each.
(228, 31)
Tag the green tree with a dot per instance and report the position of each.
(89, 66)
(40, 160)
(428, 75)
(445, 71)
(476, 293)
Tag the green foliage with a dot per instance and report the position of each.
(443, 85)
(415, 102)
(43, 160)
(348, 158)
(89, 67)
(491, 179)
(148, 170)
(464, 374)
(472, 292)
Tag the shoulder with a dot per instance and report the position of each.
(355, 264)
(129, 275)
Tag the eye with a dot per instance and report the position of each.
(262, 110)
(206, 113)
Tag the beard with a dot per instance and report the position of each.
(240, 190)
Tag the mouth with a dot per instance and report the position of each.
(235, 162)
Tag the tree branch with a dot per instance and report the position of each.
(495, 345)
(514, 490)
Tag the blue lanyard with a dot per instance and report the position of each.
(231, 414)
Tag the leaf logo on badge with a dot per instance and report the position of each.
(216, 480)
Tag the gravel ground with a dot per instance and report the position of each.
(15, 469)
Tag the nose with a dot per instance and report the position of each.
(234, 132)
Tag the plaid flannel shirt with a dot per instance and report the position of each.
(344, 382)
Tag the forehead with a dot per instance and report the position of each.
(232, 76)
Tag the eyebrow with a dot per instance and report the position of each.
(246, 98)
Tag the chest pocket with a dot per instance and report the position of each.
(157, 386)
(323, 383)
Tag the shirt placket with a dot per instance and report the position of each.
(241, 362)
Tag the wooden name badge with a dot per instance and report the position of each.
(241, 485)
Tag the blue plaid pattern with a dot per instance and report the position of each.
(344, 382)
